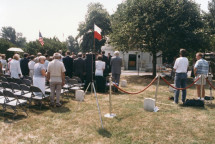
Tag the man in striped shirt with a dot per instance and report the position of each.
(201, 68)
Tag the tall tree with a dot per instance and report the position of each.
(157, 25)
(51, 46)
(72, 44)
(209, 21)
(96, 14)
(9, 33)
(14, 37)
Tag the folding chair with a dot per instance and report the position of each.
(28, 77)
(38, 95)
(6, 75)
(3, 79)
(27, 82)
(7, 86)
(16, 89)
(9, 79)
(2, 101)
(77, 78)
(15, 103)
(18, 81)
(74, 85)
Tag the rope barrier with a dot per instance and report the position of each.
(136, 92)
(210, 84)
(180, 88)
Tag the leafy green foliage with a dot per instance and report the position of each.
(96, 14)
(4, 46)
(51, 46)
(157, 25)
(73, 44)
(10, 34)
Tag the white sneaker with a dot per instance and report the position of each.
(202, 99)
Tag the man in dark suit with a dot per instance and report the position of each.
(116, 64)
(24, 65)
(68, 63)
(109, 59)
(79, 67)
(105, 59)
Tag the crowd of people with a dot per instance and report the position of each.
(53, 69)
(201, 68)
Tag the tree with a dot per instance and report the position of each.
(10, 34)
(4, 46)
(96, 14)
(157, 25)
(51, 45)
(209, 27)
(73, 44)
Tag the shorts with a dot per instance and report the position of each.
(199, 81)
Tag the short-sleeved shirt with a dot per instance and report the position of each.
(56, 68)
(100, 66)
(202, 67)
(31, 65)
(181, 65)
(38, 67)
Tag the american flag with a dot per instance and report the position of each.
(41, 39)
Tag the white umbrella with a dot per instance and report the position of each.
(15, 49)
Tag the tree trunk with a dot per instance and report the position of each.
(154, 63)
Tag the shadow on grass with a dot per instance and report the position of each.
(104, 133)
(211, 106)
(61, 110)
(8, 117)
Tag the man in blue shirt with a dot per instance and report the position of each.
(201, 68)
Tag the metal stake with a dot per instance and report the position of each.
(98, 105)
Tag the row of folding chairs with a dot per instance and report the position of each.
(15, 96)
(26, 80)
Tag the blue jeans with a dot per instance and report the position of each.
(180, 82)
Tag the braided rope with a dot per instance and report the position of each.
(136, 92)
(180, 88)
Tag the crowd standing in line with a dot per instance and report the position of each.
(54, 69)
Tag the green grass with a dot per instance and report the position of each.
(78, 122)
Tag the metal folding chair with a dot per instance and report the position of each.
(38, 95)
(14, 103)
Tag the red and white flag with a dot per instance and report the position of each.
(97, 32)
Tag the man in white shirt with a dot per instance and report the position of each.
(56, 77)
(181, 67)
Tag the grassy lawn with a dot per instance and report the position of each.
(78, 122)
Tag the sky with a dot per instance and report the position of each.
(52, 17)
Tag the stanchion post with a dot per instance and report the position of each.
(110, 92)
(110, 114)
(156, 93)
(201, 86)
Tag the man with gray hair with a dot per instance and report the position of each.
(56, 76)
(116, 64)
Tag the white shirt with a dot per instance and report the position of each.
(15, 69)
(4, 63)
(181, 65)
(31, 65)
(100, 66)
